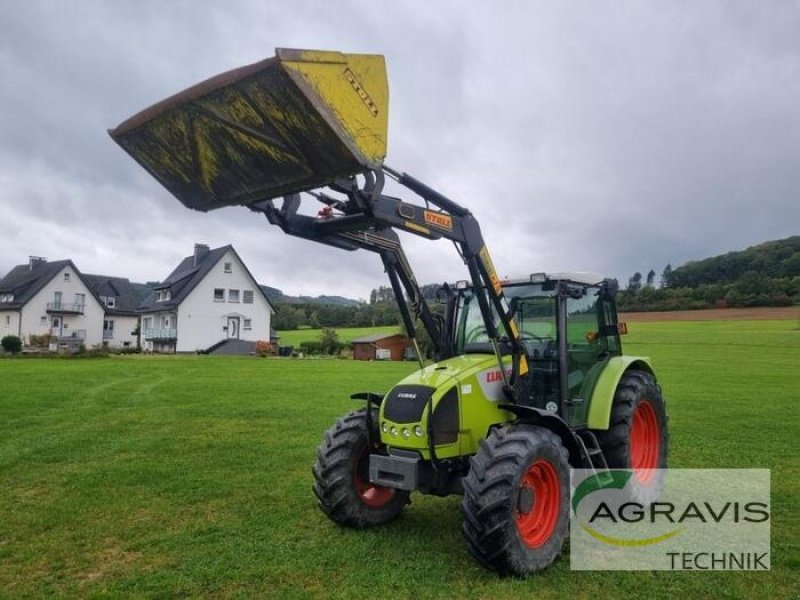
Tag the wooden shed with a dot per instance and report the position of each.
(380, 346)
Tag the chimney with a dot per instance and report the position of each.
(35, 261)
(200, 251)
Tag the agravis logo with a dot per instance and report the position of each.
(702, 519)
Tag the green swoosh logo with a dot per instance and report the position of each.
(601, 481)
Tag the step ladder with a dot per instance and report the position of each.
(593, 454)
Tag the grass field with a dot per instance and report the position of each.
(190, 476)
(346, 334)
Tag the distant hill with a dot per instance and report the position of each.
(767, 274)
(774, 260)
(143, 289)
(276, 296)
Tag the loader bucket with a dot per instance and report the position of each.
(290, 123)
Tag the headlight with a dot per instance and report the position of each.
(393, 431)
(418, 431)
(406, 433)
(384, 427)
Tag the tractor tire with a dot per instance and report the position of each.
(637, 437)
(341, 476)
(516, 500)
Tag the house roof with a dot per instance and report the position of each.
(187, 275)
(375, 337)
(25, 281)
(127, 297)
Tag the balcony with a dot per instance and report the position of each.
(63, 308)
(74, 335)
(160, 334)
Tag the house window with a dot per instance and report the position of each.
(108, 329)
(108, 301)
(6, 297)
(163, 295)
(219, 295)
(228, 267)
(248, 323)
(80, 299)
(43, 320)
(233, 296)
(247, 296)
(66, 276)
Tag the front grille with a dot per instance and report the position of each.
(406, 403)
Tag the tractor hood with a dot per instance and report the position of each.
(469, 370)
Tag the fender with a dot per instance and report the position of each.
(599, 413)
(542, 418)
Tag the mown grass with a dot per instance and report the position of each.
(346, 334)
(190, 476)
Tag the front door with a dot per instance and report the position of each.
(56, 326)
(233, 328)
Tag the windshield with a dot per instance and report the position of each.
(534, 312)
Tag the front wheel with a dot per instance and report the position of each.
(516, 500)
(341, 475)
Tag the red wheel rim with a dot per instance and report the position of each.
(370, 494)
(539, 503)
(645, 441)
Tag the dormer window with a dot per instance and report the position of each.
(108, 301)
(6, 297)
(228, 267)
(162, 296)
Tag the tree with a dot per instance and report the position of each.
(329, 341)
(666, 276)
(651, 275)
(635, 282)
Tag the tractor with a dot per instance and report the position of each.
(528, 378)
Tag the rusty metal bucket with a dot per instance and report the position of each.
(290, 123)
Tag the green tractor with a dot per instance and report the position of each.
(528, 379)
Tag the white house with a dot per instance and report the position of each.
(120, 301)
(210, 297)
(53, 298)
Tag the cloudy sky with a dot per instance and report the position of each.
(611, 137)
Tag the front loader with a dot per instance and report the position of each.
(528, 379)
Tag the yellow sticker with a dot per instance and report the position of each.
(489, 266)
(419, 228)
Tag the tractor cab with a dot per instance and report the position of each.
(568, 327)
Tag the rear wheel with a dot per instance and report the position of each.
(516, 500)
(341, 475)
(637, 437)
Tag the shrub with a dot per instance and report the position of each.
(39, 341)
(265, 348)
(311, 347)
(329, 341)
(11, 343)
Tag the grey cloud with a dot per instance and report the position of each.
(609, 138)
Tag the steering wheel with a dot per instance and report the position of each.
(525, 336)
(473, 336)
